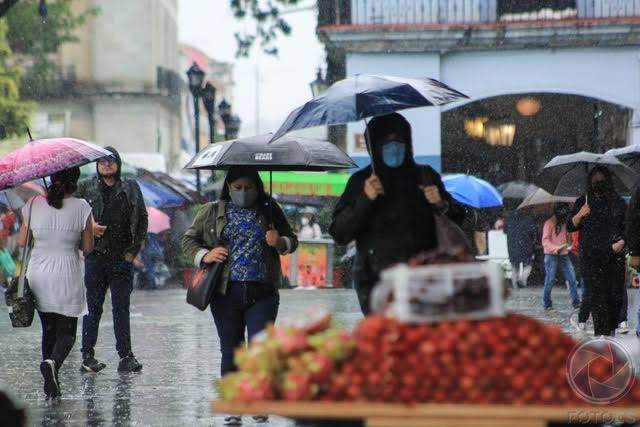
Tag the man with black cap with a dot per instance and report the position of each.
(120, 229)
(389, 209)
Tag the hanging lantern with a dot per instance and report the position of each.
(528, 107)
(500, 133)
(475, 127)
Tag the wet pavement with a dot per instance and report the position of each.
(178, 346)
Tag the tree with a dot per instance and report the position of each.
(14, 113)
(35, 38)
(269, 23)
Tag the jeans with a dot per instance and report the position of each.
(245, 306)
(551, 264)
(102, 273)
(58, 336)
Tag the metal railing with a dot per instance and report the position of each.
(393, 12)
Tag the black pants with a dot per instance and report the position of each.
(363, 291)
(602, 281)
(245, 306)
(58, 336)
(103, 273)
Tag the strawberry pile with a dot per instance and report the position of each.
(294, 361)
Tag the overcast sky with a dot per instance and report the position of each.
(283, 81)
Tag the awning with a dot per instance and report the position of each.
(307, 183)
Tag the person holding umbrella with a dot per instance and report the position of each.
(600, 217)
(556, 245)
(248, 231)
(389, 213)
(59, 224)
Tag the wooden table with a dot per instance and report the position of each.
(427, 415)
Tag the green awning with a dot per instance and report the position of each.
(307, 183)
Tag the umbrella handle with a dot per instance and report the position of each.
(271, 199)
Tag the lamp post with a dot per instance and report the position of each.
(319, 85)
(209, 101)
(224, 109)
(195, 77)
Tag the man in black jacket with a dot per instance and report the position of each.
(390, 213)
(120, 228)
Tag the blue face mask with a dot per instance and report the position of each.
(393, 153)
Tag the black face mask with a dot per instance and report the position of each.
(599, 187)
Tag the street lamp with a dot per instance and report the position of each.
(224, 109)
(319, 85)
(209, 101)
(232, 127)
(195, 77)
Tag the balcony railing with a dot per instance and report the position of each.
(445, 12)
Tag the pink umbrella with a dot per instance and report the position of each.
(158, 220)
(44, 157)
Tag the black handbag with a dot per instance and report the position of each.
(18, 296)
(204, 283)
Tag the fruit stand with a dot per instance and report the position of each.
(441, 349)
(425, 415)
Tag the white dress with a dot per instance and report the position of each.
(55, 270)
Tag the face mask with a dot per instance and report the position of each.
(393, 153)
(599, 187)
(305, 221)
(244, 199)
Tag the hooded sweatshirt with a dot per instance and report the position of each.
(121, 208)
(398, 224)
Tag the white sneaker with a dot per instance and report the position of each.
(582, 327)
(623, 328)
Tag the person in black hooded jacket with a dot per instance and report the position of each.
(120, 228)
(600, 217)
(389, 213)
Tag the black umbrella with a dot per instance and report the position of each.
(519, 190)
(362, 96)
(567, 175)
(629, 155)
(290, 153)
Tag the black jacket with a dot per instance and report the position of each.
(604, 226)
(633, 223)
(385, 232)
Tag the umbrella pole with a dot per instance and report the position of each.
(271, 197)
(369, 147)
(31, 140)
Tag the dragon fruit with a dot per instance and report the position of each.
(337, 345)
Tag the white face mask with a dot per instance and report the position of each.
(305, 221)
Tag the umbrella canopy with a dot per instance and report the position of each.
(472, 191)
(157, 196)
(290, 153)
(541, 202)
(629, 155)
(567, 175)
(363, 96)
(44, 157)
(158, 220)
(15, 198)
(517, 189)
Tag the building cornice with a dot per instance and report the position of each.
(487, 36)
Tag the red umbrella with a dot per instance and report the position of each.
(44, 157)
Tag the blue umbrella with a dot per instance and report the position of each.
(472, 191)
(157, 196)
(362, 96)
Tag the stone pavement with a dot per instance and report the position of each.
(178, 346)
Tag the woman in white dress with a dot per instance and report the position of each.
(61, 225)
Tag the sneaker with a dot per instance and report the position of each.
(233, 420)
(623, 328)
(48, 370)
(582, 327)
(260, 419)
(129, 364)
(90, 364)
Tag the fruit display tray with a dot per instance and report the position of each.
(427, 415)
